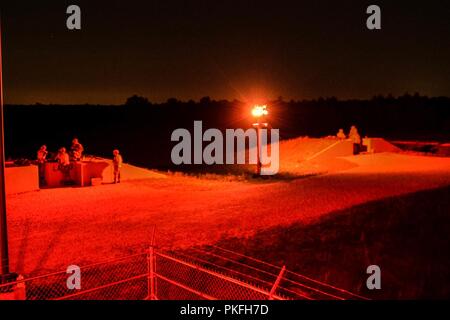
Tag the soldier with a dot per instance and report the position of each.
(42, 154)
(356, 139)
(117, 164)
(41, 159)
(62, 157)
(352, 131)
(77, 150)
(341, 135)
(63, 163)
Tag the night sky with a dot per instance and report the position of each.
(246, 50)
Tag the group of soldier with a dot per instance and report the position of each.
(63, 158)
(354, 136)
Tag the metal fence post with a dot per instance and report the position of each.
(277, 282)
(151, 273)
(20, 292)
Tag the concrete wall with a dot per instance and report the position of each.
(21, 179)
(79, 174)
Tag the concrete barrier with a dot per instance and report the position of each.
(21, 179)
(377, 145)
(77, 173)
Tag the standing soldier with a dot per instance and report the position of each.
(77, 150)
(42, 154)
(117, 163)
(356, 139)
(41, 159)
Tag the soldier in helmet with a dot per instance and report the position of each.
(63, 157)
(63, 163)
(77, 150)
(42, 154)
(117, 164)
(41, 159)
(356, 139)
(341, 135)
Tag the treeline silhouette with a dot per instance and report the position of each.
(142, 130)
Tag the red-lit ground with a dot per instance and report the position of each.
(51, 229)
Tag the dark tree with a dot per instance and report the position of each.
(172, 102)
(205, 101)
(137, 101)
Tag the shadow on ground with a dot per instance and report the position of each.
(407, 236)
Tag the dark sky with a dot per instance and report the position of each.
(248, 50)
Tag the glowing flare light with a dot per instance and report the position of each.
(259, 111)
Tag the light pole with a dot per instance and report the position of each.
(258, 112)
(5, 275)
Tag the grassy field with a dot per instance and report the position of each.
(407, 236)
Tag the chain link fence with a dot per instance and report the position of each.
(122, 278)
(173, 274)
(155, 274)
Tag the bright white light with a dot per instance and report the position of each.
(259, 111)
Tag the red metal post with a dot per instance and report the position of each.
(3, 229)
(258, 147)
(151, 274)
(5, 273)
(277, 283)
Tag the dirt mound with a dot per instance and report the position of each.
(311, 155)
